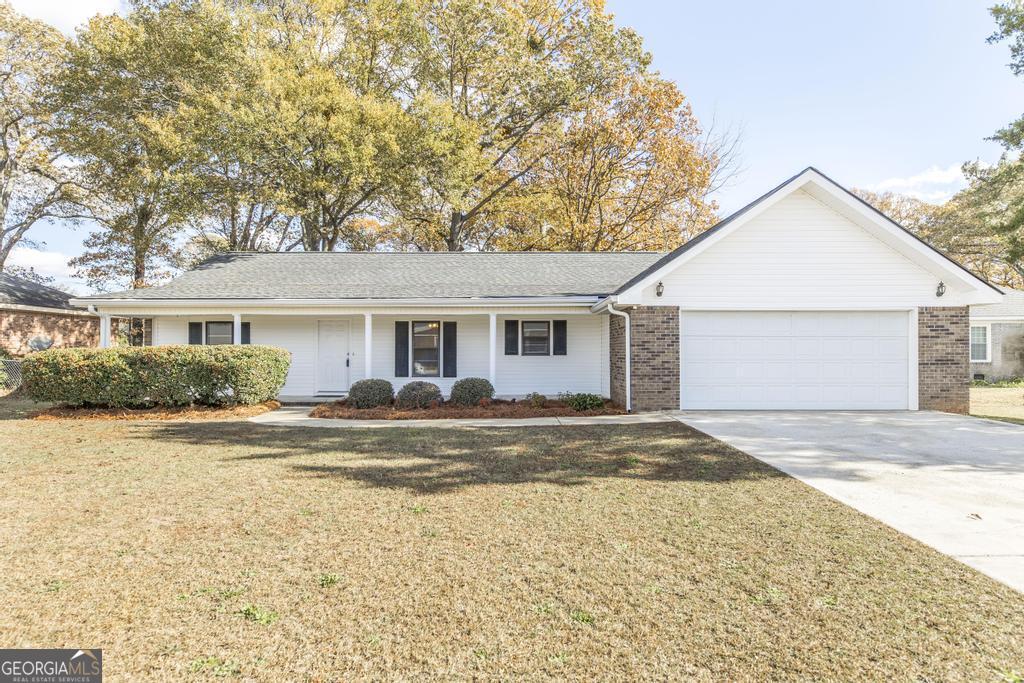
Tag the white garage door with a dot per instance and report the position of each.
(808, 360)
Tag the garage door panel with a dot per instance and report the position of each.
(794, 360)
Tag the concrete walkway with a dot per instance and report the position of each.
(298, 416)
(955, 483)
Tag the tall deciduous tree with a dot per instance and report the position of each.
(120, 97)
(330, 115)
(630, 172)
(513, 72)
(36, 180)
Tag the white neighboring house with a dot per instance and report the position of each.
(997, 339)
(807, 298)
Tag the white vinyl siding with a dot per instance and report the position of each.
(798, 254)
(583, 368)
(801, 360)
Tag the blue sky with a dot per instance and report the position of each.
(881, 95)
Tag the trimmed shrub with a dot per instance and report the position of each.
(418, 395)
(535, 399)
(582, 402)
(370, 393)
(470, 391)
(132, 377)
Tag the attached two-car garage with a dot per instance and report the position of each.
(796, 360)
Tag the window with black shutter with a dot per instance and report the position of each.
(559, 343)
(449, 349)
(195, 333)
(401, 348)
(511, 337)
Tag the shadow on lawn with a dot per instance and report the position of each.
(434, 460)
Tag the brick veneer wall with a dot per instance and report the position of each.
(617, 358)
(654, 337)
(944, 379)
(17, 328)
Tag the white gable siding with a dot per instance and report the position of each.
(798, 254)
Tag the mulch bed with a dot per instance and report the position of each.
(156, 413)
(497, 409)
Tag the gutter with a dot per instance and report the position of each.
(46, 309)
(629, 383)
(376, 303)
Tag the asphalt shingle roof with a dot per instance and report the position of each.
(400, 275)
(21, 292)
(1012, 306)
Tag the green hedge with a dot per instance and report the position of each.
(161, 375)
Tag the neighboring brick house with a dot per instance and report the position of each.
(806, 299)
(34, 316)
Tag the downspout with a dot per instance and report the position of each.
(629, 383)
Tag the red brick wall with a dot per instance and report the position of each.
(944, 380)
(17, 328)
(654, 338)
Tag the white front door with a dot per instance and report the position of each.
(808, 360)
(332, 357)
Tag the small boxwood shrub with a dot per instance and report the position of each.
(418, 395)
(582, 402)
(131, 377)
(536, 400)
(370, 393)
(470, 391)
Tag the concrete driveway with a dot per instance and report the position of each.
(955, 483)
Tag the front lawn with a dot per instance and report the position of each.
(1006, 404)
(227, 549)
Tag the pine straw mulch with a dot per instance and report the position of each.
(340, 410)
(156, 412)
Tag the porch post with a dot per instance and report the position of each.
(368, 345)
(236, 335)
(105, 330)
(493, 374)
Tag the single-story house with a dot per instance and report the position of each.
(997, 338)
(35, 317)
(807, 298)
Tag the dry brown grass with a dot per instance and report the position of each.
(189, 413)
(496, 409)
(998, 403)
(191, 550)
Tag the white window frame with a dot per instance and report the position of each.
(988, 342)
(522, 337)
(440, 348)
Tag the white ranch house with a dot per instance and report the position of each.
(807, 298)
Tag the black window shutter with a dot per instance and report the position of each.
(511, 337)
(558, 333)
(246, 334)
(195, 333)
(401, 348)
(449, 343)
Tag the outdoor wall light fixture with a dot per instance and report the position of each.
(660, 289)
(941, 289)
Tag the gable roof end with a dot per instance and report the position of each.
(814, 179)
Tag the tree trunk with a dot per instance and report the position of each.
(453, 240)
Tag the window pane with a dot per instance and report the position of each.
(536, 338)
(426, 349)
(979, 343)
(219, 333)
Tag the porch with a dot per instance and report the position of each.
(546, 350)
